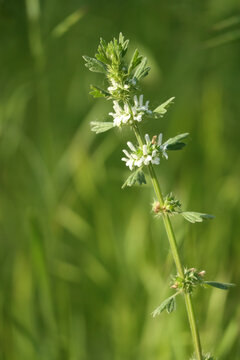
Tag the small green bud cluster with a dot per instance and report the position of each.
(123, 79)
(192, 279)
(170, 206)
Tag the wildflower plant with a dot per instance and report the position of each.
(130, 109)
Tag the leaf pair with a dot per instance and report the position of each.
(169, 305)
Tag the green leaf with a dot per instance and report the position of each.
(162, 109)
(123, 44)
(169, 305)
(194, 217)
(102, 55)
(219, 285)
(142, 70)
(135, 61)
(97, 92)
(136, 176)
(99, 127)
(175, 143)
(95, 65)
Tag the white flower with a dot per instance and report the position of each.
(121, 116)
(127, 115)
(114, 86)
(147, 154)
(139, 105)
(163, 147)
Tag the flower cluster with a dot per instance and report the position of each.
(170, 206)
(116, 89)
(129, 114)
(192, 278)
(147, 154)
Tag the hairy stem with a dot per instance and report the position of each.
(175, 252)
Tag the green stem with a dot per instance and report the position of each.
(175, 253)
(193, 326)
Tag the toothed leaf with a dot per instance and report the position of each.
(97, 92)
(219, 285)
(169, 305)
(123, 44)
(162, 109)
(175, 143)
(142, 70)
(100, 127)
(136, 176)
(102, 55)
(194, 217)
(135, 61)
(95, 65)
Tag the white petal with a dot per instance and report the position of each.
(144, 148)
(117, 107)
(126, 108)
(135, 100)
(130, 163)
(117, 121)
(147, 138)
(141, 100)
(134, 156)
(147, 160)
(126, 153)
(131, 146)
(127, 117)
(160, 139)
(156, 161)
(138, 117)
(134, 110)
(165, 154)
(139, 162)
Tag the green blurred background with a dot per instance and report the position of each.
(83, 263)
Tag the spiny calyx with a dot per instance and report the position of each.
(192, 278)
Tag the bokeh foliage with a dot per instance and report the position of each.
(83, 263)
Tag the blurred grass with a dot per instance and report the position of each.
(83, 263)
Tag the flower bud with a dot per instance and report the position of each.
(156, 207)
